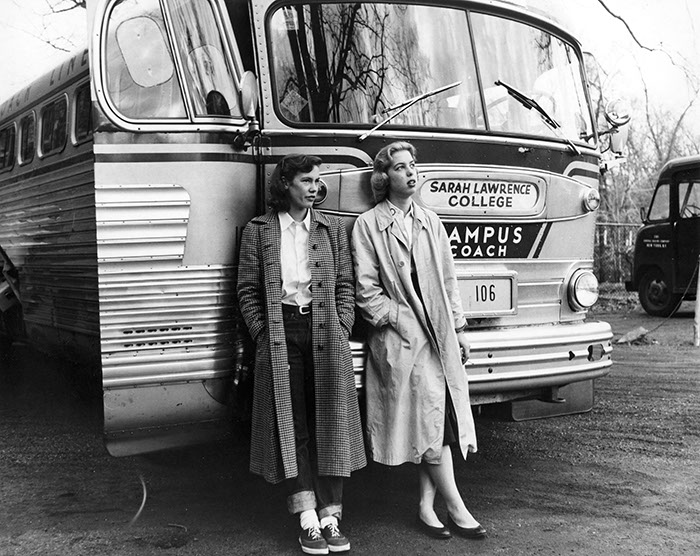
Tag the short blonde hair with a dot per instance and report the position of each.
(382, 163)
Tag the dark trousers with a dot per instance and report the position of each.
(308, 490)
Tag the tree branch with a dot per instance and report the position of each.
(689, 75)
(629, 29)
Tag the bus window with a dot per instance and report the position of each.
(689, 196)
(659, 209)
(141, 77)
(351, 63)
(7, 148)
(53, 126)
(540, 65)
(82, 123)
(209, 76)
(27, 129)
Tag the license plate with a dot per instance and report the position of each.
(488, 296)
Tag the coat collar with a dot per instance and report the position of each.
(270, 218)
(385, 218)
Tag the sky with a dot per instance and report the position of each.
(671, 25)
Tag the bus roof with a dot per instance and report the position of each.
(76, 65)
(72, 68)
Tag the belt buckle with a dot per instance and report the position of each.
(304, 309)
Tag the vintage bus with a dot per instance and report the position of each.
(129, 171)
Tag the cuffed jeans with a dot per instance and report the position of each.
(308, 490)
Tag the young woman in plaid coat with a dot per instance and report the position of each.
(296, 295)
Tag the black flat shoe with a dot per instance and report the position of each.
(434, 532)
(477, 532)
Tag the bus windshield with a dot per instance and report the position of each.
(360, 63)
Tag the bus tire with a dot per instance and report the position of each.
(656, 297)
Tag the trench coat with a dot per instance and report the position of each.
(409, 370)
(339, 439)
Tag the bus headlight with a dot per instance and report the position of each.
(321, 194)
(583, 290)
(591, 200)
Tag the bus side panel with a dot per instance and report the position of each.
(169, 219)
(48, 231)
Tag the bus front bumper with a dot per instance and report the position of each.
(507, 364)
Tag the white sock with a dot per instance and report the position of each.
(308, 519)
(328, 520)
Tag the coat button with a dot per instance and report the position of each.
(322, 304)
(318, 264)
(401, 263)
(320, 347)
(314, 246)
(320, 284)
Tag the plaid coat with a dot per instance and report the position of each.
(338, 428)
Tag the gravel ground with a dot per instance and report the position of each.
(623, 479)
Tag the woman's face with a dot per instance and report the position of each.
(302, 190)
(403, 177)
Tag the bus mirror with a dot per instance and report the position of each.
(249, 95)
(248, 100)
(617, 114)
(618, 140)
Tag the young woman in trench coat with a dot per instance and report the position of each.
(296, 295)
(417, 391)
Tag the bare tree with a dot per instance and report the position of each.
(655, 136)
(60, 6)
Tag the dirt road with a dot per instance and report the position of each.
(623, 479)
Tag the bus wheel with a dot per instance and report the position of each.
(655, 296)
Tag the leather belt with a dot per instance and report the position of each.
(296, 309)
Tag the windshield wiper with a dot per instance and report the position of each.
(531, 103)
(403, 106)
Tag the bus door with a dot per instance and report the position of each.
(175, 183)
(687, 229)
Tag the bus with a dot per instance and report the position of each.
(666, 251)
(129, 171)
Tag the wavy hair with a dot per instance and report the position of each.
(285, 171)
(382, 163)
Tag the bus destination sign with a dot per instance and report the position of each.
(484, 195)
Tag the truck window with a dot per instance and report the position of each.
(659, 209)
(689, 197)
